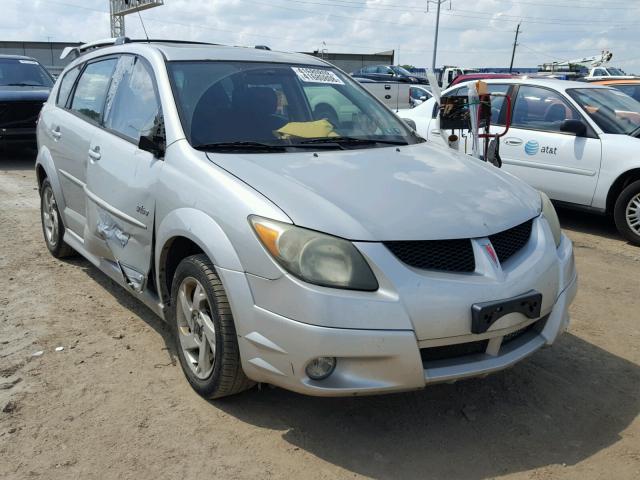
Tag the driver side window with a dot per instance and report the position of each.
(133, 108)
(540, 109)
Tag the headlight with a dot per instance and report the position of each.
(551, 216)
(315, 257)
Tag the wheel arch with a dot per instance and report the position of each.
(619, 185)
(186, 232)
(45, 168)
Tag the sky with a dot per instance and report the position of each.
(478, 33)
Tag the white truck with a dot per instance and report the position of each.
(394, 95)
(449, 73)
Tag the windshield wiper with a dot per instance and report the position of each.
(23, 84)
(240, 146)
(635, 132)
(351, 141)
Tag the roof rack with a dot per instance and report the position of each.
(85, 47)
(108, 42)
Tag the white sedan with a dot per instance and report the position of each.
(579, 143)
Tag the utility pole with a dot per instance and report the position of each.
(435, 40)
(515, 44)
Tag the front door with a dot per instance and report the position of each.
(71, 127)
(121, 177)
(560, 164)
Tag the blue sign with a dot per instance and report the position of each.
(531, 147)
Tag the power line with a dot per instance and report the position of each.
(572, 5)
(475, 13)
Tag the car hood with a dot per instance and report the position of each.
(23, 94)
(418, 192)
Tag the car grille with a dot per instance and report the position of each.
(19, 114)
(508, 243)
(457, 255)
(445, 255)
(446, 352)
(538, 325)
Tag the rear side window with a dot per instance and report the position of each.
(66, 84)
(497, 102)
(91, 92)
(133, 108)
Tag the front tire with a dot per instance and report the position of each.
(52, 226)
(204, 330)
(627, 213)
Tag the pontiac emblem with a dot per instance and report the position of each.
(492, 253)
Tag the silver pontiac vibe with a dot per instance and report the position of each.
(291, 229)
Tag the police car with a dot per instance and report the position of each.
(577, 142)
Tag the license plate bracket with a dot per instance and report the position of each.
(485, 314)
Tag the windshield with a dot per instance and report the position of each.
(279, 105)
(615, 71)
(401, 71)
(613, 111)
(23, 72)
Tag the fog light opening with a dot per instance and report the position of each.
(321, 367)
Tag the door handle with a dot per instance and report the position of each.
(56, 133)
(513, 141)
(435, 132)
(94, 153)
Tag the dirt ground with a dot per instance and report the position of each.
(114, 405)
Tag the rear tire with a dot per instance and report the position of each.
(204, 330)
(626, 213)
(52, 226)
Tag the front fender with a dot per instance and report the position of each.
(195, 225)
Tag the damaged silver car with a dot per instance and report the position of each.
(289, 227)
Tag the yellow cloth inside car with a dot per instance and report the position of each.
(318, 129)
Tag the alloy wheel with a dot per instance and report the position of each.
(633, 214)
(50, 217)
(196, 330)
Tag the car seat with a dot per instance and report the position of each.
(555, 113)
(210, 119)
(254, 113)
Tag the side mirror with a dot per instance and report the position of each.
(410, 123)
(576, 127)
(154, 145)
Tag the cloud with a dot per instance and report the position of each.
(478, 33)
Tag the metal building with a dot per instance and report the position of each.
(350, 62)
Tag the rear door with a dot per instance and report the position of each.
(560, 164)
(70, 129)
(121, 177)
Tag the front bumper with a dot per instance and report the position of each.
(276, 348)
(18, 135)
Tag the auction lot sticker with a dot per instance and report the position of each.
(317, 75)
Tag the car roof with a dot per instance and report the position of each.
(619, 81)
(553, 83)
(184, 51)
(16, 57)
